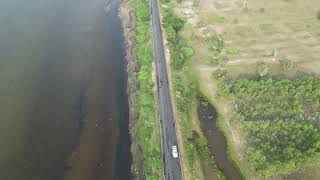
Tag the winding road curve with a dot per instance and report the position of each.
(172, 168)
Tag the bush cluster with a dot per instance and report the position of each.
(263, 69)
(183, 94)
(286, 64)
(180, 51)
(216, 43)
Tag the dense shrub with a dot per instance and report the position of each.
(179, 50)
(177, 59)
(219, 74)
(286, 64)
(216, 43)
(183, 94)
(277, 99)
(282, 120)
(262, 69)
(171, 34)
(280, 146)
(173, 20)
(186, 52)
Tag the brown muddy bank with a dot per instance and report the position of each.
(127, 16)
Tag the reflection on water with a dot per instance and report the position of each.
(61, 67)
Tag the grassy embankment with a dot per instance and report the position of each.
(194, 152)
(260, 116)
(145, 148)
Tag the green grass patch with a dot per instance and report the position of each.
(232, 50)
(219, 19)
(286, 64)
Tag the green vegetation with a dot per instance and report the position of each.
(146, 128)
(219, 74)
(181, 51)
(286, 64)
(219, 19)
(281, 145)
(164, 1)
(277, 99)
(219, 61)
(232, 50)
(262, 69)
(216, 43)
(282, 119)
(318, 14)
(184, 94)
(195, 144)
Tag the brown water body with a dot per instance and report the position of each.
(216, 140)
(63, 103)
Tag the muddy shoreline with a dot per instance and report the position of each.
(126, 17)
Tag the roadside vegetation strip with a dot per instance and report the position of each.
(146, 129)
(185, 95)
(180, 52)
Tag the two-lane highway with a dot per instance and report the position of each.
(172, 168)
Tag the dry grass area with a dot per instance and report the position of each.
(255, 31)
(289, 27)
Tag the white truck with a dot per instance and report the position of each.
(175, 152)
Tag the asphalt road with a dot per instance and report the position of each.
(172, 168)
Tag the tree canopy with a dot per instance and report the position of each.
(282, 122)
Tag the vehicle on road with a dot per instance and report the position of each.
(175, 152)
